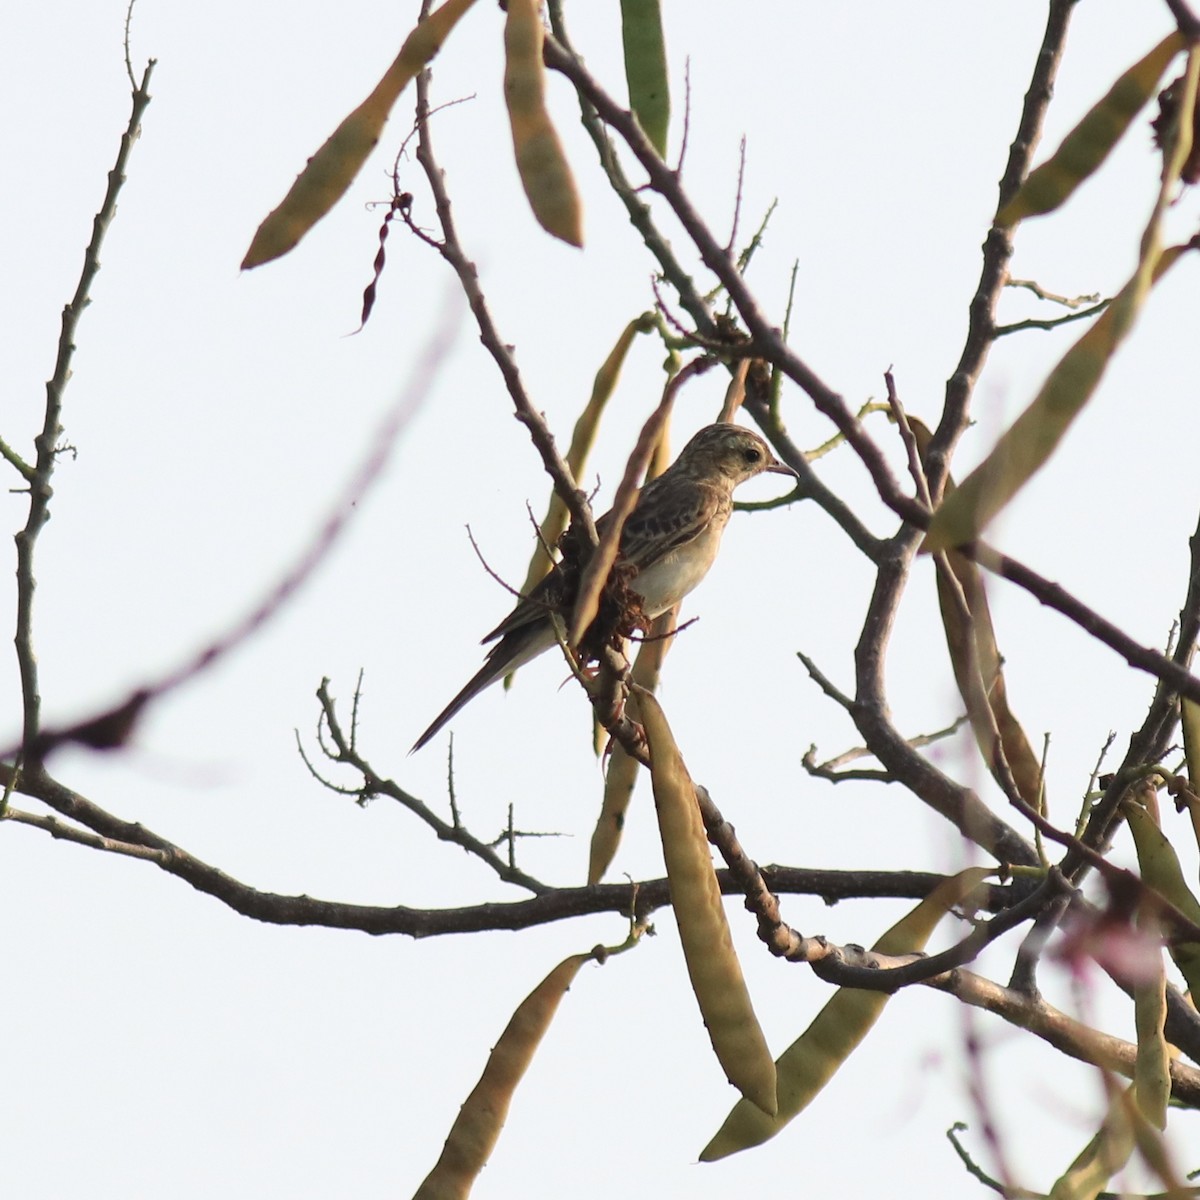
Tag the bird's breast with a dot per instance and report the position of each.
(666, 581)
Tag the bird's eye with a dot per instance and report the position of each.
(752, 454)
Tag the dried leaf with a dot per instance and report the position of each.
(976, 659)
(975, 656)
(1104, 1155)
(1152, 1067)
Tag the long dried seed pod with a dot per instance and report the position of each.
(541, 162)
(477, 1127)
(712, 965)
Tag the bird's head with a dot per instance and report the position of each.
(728, 452)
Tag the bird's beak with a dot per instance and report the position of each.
(778, 468)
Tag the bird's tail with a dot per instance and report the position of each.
(483, 678)
(513, 650)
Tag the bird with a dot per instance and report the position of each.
(668, 543)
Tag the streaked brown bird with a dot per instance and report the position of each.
(668, 544)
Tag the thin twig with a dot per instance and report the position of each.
(997, 251)
(133, 85)
(451, 831)
(824, 683)
(915, 467)
(47, 442)
(737, 200)
(765, 336)
(830, 768)
(1031, 285)
(112, 727)
(452, 251)
(83, 837)
(10, 456)
(687, 109)
(1009, 1193)
(1024, 972)
(746, 255)
(1050, 323)
(1058, 598)
(483, 562)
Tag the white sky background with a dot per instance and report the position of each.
(158, 1044)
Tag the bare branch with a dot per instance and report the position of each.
(1064, 1033)
(1051, 323)
(915, 467)
(1054, 596)
(852, 966)
(767, 339)
(342, 751)
(830, 768)
(83, 837)
(127, 838)
(1073, 302)
(997, 250)
(47, 442)
(10, 456)
(824, 683)
(112, 728)
(452, 251)
(959, 805)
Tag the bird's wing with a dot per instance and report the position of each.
(670, 512)
(530, 609)
(666, 518)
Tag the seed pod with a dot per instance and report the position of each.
(475, 1131)
(332, 169)
(542, 165)
(708, 951)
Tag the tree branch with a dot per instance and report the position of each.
(343, 750)
(1064, 1033)
(557, 904)
(767, 341)
(1054, 596)
(451, 250)
(46, 443)
(997, 250)
(697, 306)
(1050, 323)
(112, 727)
